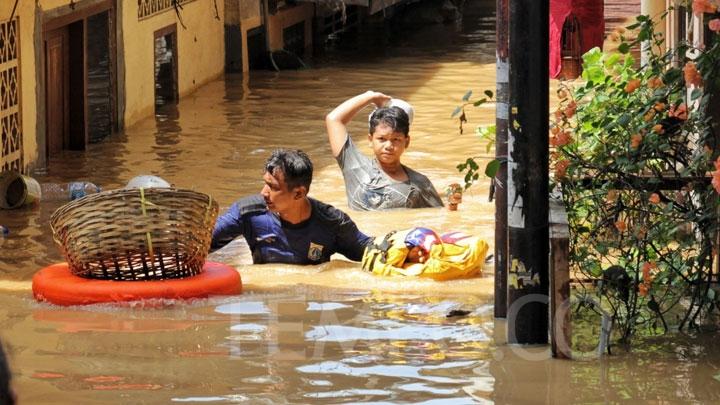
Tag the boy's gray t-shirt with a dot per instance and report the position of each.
(369, 188)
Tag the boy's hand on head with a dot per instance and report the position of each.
(379, 99)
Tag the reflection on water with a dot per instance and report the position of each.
(322, 334)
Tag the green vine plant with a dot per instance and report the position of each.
(635, 155)
(470, 167)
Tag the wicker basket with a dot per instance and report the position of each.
(136, 234)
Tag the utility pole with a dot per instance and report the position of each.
(527, 194)
(502, 114)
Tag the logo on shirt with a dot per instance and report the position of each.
(315, 252)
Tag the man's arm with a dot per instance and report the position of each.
(228, 226)
(336, 121)
(351, 241)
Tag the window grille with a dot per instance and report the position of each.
(11, 156)
(148, 8)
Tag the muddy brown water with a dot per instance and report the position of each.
(324, 334)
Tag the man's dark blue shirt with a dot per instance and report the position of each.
(272, 240)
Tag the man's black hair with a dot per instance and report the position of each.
(394, 117)
(6, 394)
(294, 164)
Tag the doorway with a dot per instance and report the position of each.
(99, 78)
(64, 91)
(79, 79)
(166, 89)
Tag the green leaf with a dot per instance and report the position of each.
(623, 120)
(672, 75)
(653, 305)
(489, 93)
(479, 102)
(711, 294)
(612, 61)
(467, 95)
(624, 48)
(489, 146)
(487, 132)
(695, 94)
(456, 111)
(592, 57)
(601, 248)
(492, 168)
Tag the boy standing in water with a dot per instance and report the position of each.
(383, 182)
(283, 225)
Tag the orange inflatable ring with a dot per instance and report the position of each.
(57, 284)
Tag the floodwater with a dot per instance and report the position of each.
(324, 334)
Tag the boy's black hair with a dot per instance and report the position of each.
(394, 117)
(294, 164)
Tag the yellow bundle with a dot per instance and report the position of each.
(460, 258)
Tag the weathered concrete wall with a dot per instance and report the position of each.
(285, 18)
(249, 16)
(248, 9)
(200, 52)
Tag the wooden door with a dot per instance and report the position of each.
(56, 85)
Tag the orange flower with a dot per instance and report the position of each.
(646, 270)
(714, 25)
(632, 85)
(679, 112)
(561, 168)
(561, 139)
(658, 129)
(620, 225)
(703, 6)
(655, 82)
(635, 141)
(555, 129)
(654, 198)
(649, 115)
(692, 75)
(570, 109)
(659, 106)
(642, 290)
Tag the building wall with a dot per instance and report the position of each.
(200, 59)
(249, 16)
(286, 17)
(25, 81)
(200, 51)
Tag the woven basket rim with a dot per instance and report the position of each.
(119, 233)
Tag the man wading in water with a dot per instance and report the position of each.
(383, 182)
(283, 225)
